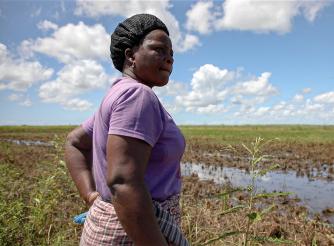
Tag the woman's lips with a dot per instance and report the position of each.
(166, 70)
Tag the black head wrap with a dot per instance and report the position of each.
(129, 33)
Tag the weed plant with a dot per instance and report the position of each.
(38, 199)
(252, 212)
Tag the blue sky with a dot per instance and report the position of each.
(236, 61)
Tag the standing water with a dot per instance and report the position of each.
(315, 195)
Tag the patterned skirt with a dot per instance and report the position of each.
(102, 226)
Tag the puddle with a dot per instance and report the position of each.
(316, 195)
(28, 142)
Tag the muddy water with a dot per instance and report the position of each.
(27, 142)
(316, 195)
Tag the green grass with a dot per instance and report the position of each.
(44, 133)
(221, 134)
(35, 129)
(238, 134)
(38, 199)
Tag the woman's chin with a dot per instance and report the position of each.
(162, 83)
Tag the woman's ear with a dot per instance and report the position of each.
(129, 58)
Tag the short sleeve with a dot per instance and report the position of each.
(137, 113)
(88, 125)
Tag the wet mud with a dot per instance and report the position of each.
(203, 219)
(314, 160)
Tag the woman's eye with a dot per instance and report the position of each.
(160, 50)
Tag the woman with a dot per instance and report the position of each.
(135, 148)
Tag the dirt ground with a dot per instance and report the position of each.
(315, 160)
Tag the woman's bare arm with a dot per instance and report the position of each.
(78, 160)
(127, 159)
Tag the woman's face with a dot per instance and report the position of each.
(154, 59)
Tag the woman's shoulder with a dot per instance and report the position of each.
(130, 86)
(127, 90)
(130, 83)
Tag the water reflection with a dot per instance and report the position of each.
(27, 142)
(316, 195)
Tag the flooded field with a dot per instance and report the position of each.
(38, 200)
(316, 195)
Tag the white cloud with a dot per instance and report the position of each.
(298, 98)
(77, 104)
(216, 90)
(313, 107)
(212, 109)
(160, 9)
(308, 111)
(173, 88)
(312, 8)
(74, 79)
(208, 87)
(15, 97)
(26, 103)
(259, 86)
(62, 6)
(36, 12)
(325, 97)
(19, 75)
(262, 111)
(72, 42)
(47, 25)
(306, 90)
(251, 15)
(260, 16)
(188, 43)
(200, 18)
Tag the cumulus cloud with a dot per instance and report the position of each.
(72, 80)
(216, 90)
(200, 18)
(18, 74)
(306, 90)
(233, 95)
(77, 104)
(36, 12)
(72, 42)
(46, 25)
(288, 111)
(259, 86)
(26, 103)
(181, 42)
(212, 109)
(251, 15)
(298, 98)
(326, 98)
(262, 111)
(173, 88)
(208, 89)
(15, 97)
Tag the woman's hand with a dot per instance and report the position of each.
(78, 160)
(91, 198)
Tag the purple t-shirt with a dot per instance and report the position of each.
(132, 109)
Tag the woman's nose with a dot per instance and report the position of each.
(169, 59)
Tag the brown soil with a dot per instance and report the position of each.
(311, 159)
(202, 221)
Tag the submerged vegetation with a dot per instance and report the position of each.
(38, 200)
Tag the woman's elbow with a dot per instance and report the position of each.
(71, 139)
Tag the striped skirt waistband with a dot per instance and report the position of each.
(102, 226)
